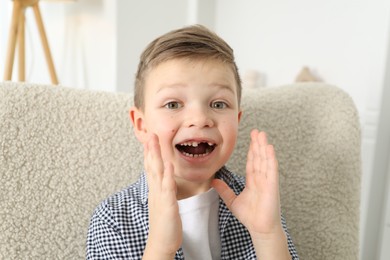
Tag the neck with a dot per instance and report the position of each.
(186, 189)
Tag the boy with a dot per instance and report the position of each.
(186, 114)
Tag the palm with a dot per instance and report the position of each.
(257, 207)
(164, 219)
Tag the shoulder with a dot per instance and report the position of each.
(119, 223)
(129, 201)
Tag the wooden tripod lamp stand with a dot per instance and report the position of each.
(16, 35)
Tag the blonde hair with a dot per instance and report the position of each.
(192, 42)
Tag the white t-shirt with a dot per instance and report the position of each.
(199, 216)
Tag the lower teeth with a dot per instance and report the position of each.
(195, 155)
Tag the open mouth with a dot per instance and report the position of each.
(195, 149)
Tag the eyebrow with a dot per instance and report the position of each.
(225, 86)
(167, 86)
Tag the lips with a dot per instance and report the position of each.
(195, 149)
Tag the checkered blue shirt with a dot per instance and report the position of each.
(119, 226)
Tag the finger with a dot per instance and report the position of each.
(146, 151)
(146, 161)
(250, 158)
(168, 182)
(155, 156)
(272, 164)
(154, 164)
(258, 154)
(273, 172)
(224, 191)
(261, 163)
(262, 139)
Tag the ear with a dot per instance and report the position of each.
(239, 115)
(138, 120)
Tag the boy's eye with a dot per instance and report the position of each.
(173, 105)
(218, 105)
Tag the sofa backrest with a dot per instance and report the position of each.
(63, 150)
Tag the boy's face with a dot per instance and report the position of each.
(192, 107)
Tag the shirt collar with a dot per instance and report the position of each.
(228, 177)
(143, 188)
(223, 174)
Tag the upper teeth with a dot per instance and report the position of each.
(195, 144)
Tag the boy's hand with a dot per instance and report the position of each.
(165, 229)
(257, 207)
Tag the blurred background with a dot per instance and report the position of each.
(96, 45)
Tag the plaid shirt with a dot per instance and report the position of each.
(119, 226)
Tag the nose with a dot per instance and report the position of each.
(199, 117)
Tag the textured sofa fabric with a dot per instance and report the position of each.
(63, 150)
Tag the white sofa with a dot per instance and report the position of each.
(63, 150)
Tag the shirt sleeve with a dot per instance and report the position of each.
(291, 247)
(103, 241)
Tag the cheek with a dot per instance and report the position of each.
(230, 129)
(165, 132)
